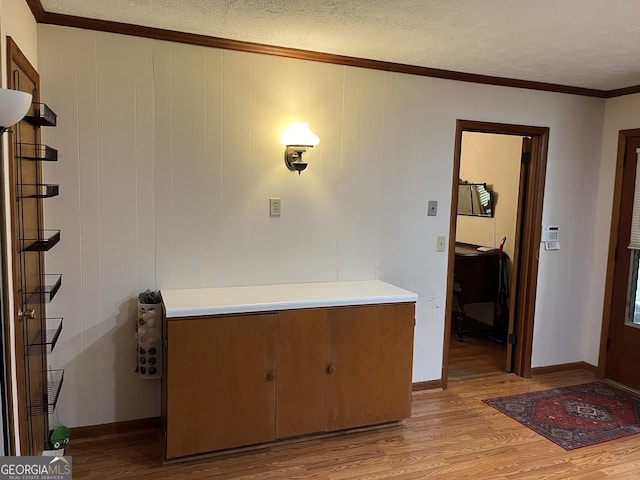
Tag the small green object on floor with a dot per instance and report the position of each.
(60, 437)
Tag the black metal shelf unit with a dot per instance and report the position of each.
(43, 332)
(40, 115)
(45, 340)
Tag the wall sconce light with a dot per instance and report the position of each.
(298, 139)
(14, 105)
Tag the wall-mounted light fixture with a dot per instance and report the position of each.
(298, 139)
(13, 107)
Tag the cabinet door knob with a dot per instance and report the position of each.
(331, 368)
(271, 376)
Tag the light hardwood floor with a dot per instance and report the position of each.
(476, 356)
(451, 435)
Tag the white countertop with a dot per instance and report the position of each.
(195, 302)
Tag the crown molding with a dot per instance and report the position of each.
(619, 92)
(42, 16)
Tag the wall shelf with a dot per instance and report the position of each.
(38, 332)
(42, 190)
(40, 115)
(47, 394)
(47, 239)
(46, 340)
(37, 152)
(46, 292)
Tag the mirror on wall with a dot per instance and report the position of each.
(475, 199)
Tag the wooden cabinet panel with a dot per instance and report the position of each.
(220, 383)
(239, 380)
(302, 357)
(370, 354)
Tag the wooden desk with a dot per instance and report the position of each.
(475, 276)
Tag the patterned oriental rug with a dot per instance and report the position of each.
(576, 416)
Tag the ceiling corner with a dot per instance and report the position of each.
(36, 9)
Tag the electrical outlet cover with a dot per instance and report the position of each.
(275, 207)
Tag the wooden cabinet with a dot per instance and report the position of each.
(220, 387)
(370, 355)
(302, 357)
(239, 380)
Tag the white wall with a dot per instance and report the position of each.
(570, 202)
(17, 22)
(170, 152)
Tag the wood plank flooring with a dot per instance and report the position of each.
(451, 435)
(476, 356)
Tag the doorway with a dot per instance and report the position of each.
(518, 329)
(620, 339)
(488, 186)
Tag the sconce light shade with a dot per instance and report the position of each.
(13, 107)
(299, 134)
(298, 139)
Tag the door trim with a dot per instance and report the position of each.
(6, 292)
(623, 135)
(530, 221)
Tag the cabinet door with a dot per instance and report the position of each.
(220, 383)
(302, 357)
(370, 355)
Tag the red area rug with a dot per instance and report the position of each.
(576, 416)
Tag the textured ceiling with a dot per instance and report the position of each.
(581, 43)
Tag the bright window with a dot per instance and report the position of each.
(633, 294)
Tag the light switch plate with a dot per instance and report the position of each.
(441, 244)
